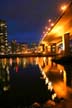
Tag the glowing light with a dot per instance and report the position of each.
(64, 76)
(49, 29)
(58, 30)
(10, 61)
(46, 33)
(64, 7)
(50, 86)
(24, 63)
(5, 61)
(54, 96)
(43, 32)
(52, 24)
(63, 43)
(44, 59)
(46, 80)
(61, 71)
(17, 60)
(5, 88)
(46, 27)
(2, 24)
(44, 75)
(60, 89)
(49, 20)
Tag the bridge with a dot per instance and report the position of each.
(60, 38)
(60, 33)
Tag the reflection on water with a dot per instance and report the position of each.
(14, 65)
(50, 69)
(33, 73)
(24, 78)
(61, 76)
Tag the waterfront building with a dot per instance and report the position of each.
(3, 37)
(17, 47)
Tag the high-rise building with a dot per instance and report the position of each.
(3, 37)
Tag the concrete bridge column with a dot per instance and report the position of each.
(53, 51)
(66, 44)
(68, 68)
(45, 48)
(42, 47)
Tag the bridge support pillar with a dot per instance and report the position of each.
(66, 44)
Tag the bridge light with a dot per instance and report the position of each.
(49, 29)
(44, 32)
(49, 20)
(64, 7)
(52, 24)
(46, 27)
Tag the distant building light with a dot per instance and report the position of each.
(2, 24)
(1, 33)
(5, 26)
(2, 46)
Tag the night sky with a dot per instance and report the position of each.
(26, 19)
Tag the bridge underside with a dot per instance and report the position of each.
(62, 26)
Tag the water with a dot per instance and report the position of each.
(24, 81)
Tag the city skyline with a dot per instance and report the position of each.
(26, 19)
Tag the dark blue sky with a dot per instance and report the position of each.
(26, 19)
